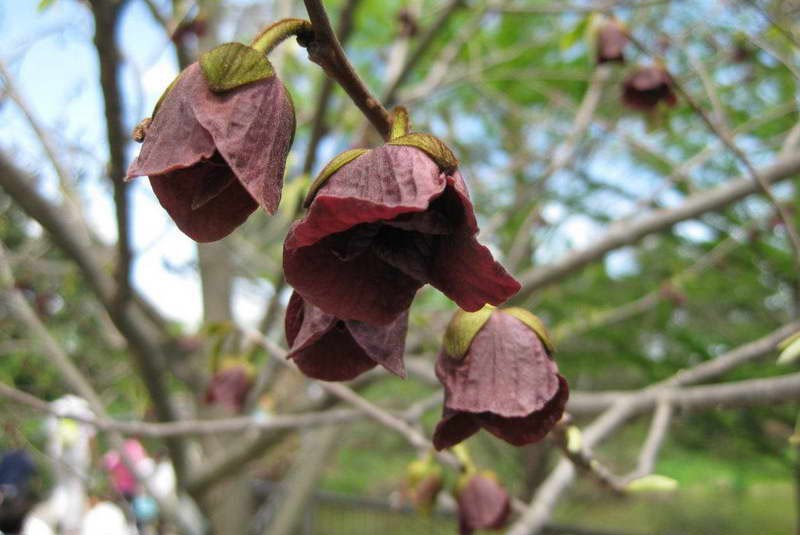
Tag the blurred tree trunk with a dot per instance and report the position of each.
(229, 504)
(300, 483)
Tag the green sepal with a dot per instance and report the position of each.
(334, 165)
(536, 325)
(462, 329)
(232, 65)
(652, 483)
(433, 147)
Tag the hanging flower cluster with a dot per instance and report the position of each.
(379, 225)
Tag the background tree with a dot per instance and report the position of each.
(659, 246)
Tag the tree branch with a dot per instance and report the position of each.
(326, 51)
(148, 355)
(708, 201)
(106, 19)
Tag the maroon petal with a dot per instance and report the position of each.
(216, 217)
(364, 288)
(334, 357)
(454, 428)
(506, 371)
(322, 346)
(175, 139)
(253, 128)
(532, 428)
(329, 349)
(483, 504)
(463, 269)
(384, 344)
(379, 185)
(293, 319)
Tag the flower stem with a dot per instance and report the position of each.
(275, 34)
(400, 123)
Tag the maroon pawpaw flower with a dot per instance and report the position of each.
(330, 349)
(482, 503)
(230, 385)
(498, 375)
(611, 40)
(382, 226)
(214, 157)
(647, 87)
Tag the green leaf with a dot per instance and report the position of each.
(571, 37)
(232, 65)
(536, 325)
(462, 330)
(334, 165)
(433, 147)
(652, 483)
(791, 352)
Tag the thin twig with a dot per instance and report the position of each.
(325, 50)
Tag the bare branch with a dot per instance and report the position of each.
(149, 356)
(327, 52)
(708, 201)
(106, 19)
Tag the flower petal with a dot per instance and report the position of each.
(175, 139)
(218, 216)
(253, 128)
(463, 269)
(334, 357)
(384, 344)
(453, 428)
(532, 428)
(506, 371)
(363, 288)
(379, 185)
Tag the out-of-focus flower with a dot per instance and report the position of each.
(612, 37)
(230, 384)
(330, 349)
(647, 87)
(482, 503)
(498, 375)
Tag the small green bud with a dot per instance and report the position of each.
(790, 350)
(574, 439)
(652, 483)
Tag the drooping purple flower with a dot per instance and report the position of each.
(330, 349)
(646, 87)
(229, 386)
(505, 382)
(482, 504)
(380, 228)
(214, 157)
(611, 40)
